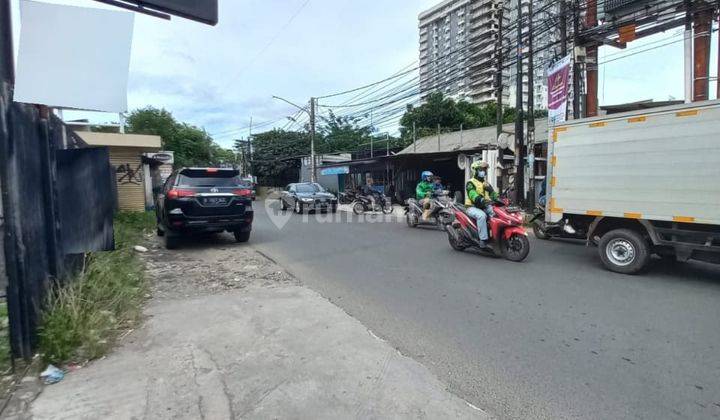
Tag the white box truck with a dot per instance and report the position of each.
(640, 183)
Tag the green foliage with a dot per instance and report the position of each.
(192, 146)
(450, 115)
(276, 152)
(83, 317)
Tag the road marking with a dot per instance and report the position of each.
(688, 113)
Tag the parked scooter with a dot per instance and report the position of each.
(347, 197)
(363, 204)
(508, 237)
(441, 215)
(562, 229)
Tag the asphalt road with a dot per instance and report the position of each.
(556, 337)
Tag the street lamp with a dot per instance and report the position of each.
(311, 114)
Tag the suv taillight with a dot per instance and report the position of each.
(243, 192)
(175, 193)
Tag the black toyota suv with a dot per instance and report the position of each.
(204, 200)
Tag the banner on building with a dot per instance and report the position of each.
(558, 90)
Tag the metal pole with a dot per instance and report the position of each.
(438, 136)
(563, 36)
(519, 123)
(414, 138)
(387, 144)
(372, 154)
(499, 73)
(591, 64)
(249, 148)
(531, 108)
(688, 47)
(461, 135)
(312, 139)
(576, 65)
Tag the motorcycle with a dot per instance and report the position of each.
(546, 231)
(441, 215)
(363, 204)
(508, 237)
(347, 197)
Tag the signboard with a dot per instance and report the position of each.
(558, 90)
(340, 170)
(205, 11)
(73, 57)
(167, 158)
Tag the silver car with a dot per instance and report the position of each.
(307, 196)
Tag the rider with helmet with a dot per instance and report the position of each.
(424, 192)
(478, 195)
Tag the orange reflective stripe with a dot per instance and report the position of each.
(633, 215)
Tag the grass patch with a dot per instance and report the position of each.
(82, 318)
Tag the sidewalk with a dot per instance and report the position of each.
(229, 334)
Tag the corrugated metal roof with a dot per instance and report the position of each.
(468, 140)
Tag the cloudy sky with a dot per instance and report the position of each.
(218, 77)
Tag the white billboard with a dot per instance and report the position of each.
(73, 57)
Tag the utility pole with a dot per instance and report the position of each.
(414, 137)
(688, 47)
(591, 63)
(249, 148)
(519, 123)
(531, 107)
(563, 35)
(312, 139)
(576, 65)
(499, 72)
(702, 22)
(563, 28)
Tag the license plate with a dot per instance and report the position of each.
(215, 201)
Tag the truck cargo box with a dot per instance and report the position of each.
(661, 164)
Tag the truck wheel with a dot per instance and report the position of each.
(624, 251)
(540, 233)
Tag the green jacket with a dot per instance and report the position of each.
(475, 189)
(424, 190)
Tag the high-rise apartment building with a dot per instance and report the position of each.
(545, 33)
(457, 49)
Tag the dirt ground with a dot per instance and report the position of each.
(209, 265)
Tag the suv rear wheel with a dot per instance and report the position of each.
(172, 240)
(241, 236)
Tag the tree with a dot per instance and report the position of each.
(192, 146)
(449, 115)
(276, 153)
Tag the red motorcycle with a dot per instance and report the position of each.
(508, 237)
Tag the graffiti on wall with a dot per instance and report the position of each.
(127, 175)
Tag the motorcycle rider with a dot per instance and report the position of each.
(423, 193)
(370, 193)
(478, 195)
